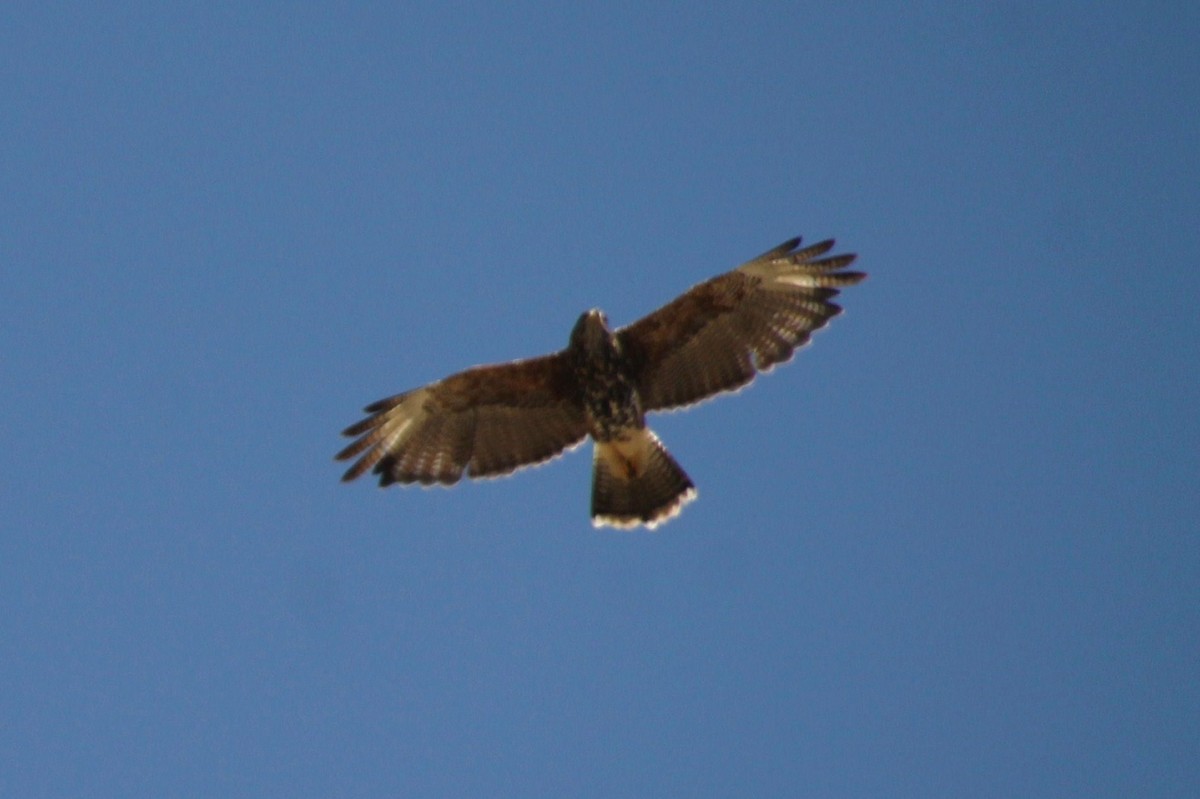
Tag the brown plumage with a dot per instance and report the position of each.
(491, 420)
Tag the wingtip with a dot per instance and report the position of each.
(354, 472)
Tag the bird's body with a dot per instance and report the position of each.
(634, 479)
(609, 392)
(491, 420)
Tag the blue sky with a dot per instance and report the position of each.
(950, 550)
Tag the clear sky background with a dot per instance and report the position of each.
(951, 550)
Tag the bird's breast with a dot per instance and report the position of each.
(610, 399)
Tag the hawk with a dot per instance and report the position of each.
(489, 421)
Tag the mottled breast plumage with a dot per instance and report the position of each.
(608, 391)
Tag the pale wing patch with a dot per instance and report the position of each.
(384, 431)
(806, 280)
(395, 437)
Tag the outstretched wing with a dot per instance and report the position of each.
(721, 333)
(489, 420)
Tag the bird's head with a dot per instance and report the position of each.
(591, 333)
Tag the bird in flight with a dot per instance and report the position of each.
(490, 421)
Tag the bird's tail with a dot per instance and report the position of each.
(636, 481)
